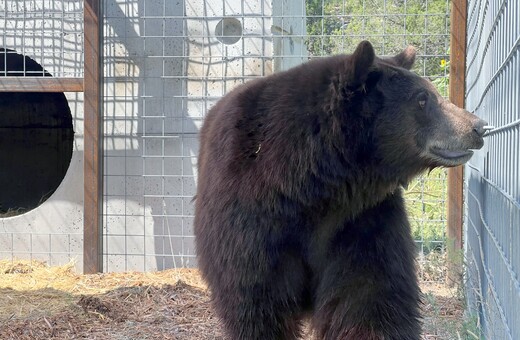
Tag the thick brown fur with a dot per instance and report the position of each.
(299, 209)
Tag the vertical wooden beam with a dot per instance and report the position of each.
(456, 175)
(93, 123)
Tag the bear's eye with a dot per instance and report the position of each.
(422, 99)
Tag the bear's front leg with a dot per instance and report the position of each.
(368, 288)
(256, 275)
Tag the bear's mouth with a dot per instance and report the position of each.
(451, 154)
(452, 157)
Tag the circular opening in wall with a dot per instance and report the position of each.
(228, 31)
(36, 139)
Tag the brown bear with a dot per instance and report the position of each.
(299, 206)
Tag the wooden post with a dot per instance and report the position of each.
(456, 175)
(93, 124)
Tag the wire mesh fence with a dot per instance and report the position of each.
(167, 63)
(492, 187)
(50, 32)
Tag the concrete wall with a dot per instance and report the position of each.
(166, 64)
(289, 31)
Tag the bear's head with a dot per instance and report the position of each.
(414, 126)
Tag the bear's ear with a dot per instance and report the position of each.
(358, 65)
(406, 59)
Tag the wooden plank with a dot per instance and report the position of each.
(456, 175)
(93, 156)
(40, 84)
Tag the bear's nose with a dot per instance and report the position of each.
(480, 127)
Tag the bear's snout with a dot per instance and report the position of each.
(465, 129)
(455, 136)
(475, 135)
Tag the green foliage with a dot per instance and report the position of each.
(442, 82)
(337, 26)
(425, 203)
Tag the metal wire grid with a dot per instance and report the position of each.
(162, 73)
(166, 64)
(49, 32)
(493, 190)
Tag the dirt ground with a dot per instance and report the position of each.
(42, 302)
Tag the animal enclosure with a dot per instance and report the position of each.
(164, 65)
